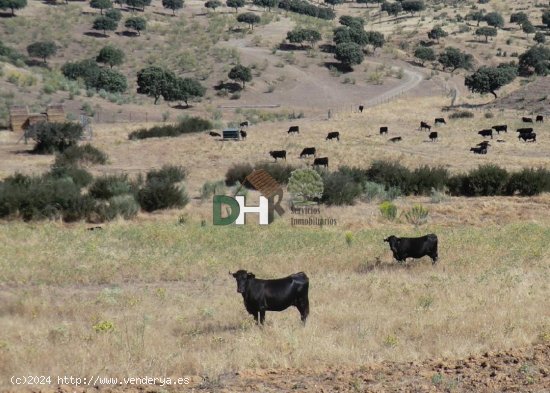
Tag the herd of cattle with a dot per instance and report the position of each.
(279, 294)
(526, 134)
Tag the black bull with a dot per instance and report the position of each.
(273, 295)
(413, 247)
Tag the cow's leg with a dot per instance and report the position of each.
(262, 317)
(303, 307)
(255, 315)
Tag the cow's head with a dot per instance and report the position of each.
(393, 241)
(242, 276)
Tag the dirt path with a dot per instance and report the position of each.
(314, 87)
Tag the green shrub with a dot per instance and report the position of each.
(86, 154)
(461, 115)
(54, 137)
(417, 215)
(487, 180)
(305, 185)
(425, 178)
(212, 188)
(528, 182)
(109, 186)
(388, 210)
(168, 173)
(372, 191)
(160, 194)
(391, 174)
(339, 189)
(237, 173)
(280, 172)
(359, 175)
(185, 126)
(125, 206)
(79, 176)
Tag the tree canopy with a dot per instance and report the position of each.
(172, 5)
(454, 59)
(436, 33)
(240, 73)
(494, 19)
(104, 23)
(535, 60)
(136, 23)
(101, 5)
(424, 53)
(235, 4)
(153, 81)
(12, 5)
(250, 18)
(349, 53)
(110, 55)
(487, 32)
(489, 79)
(43, 49)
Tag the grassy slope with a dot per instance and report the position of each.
(175, 309)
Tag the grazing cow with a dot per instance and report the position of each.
(361, 107)
(525, 130)
(527, 119)
(539, 119)
(501, 140)
(440, 120)
(528, 137)
(278, 154)
(243, 134)
(94, 228)
(212, 133)
(294, 129)
(487, 132)
(321, 161)
(383, 130)
(424, 125)
(244, 124)
(433, 136)
(484, 144)
(479, 150)
(333, 135)
(395, 139)
(500, 128)
(273, 295)
(413, 247)
(308, 151)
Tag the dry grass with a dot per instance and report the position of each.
(175, 310)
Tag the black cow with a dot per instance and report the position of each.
(308, 151)
(212, 133)
(484, 144)
(294, 129)
(383, 130)
(433, 136)
(528, 137)
(500, 128)
(487, 132)
(94, 228)
(395, 139)
(413, 247)
(333, 135)
(361, 107)
(527, 119)
(525, 130)
(278, 154)
(273, 295)
(321, 161)
(479, 150)
(244, 124)
(440, 120)
(243, 134)
(539, 119)
(424, 125)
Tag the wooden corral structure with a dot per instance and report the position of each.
(55, 113)
(18, 117)
(21, 119)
